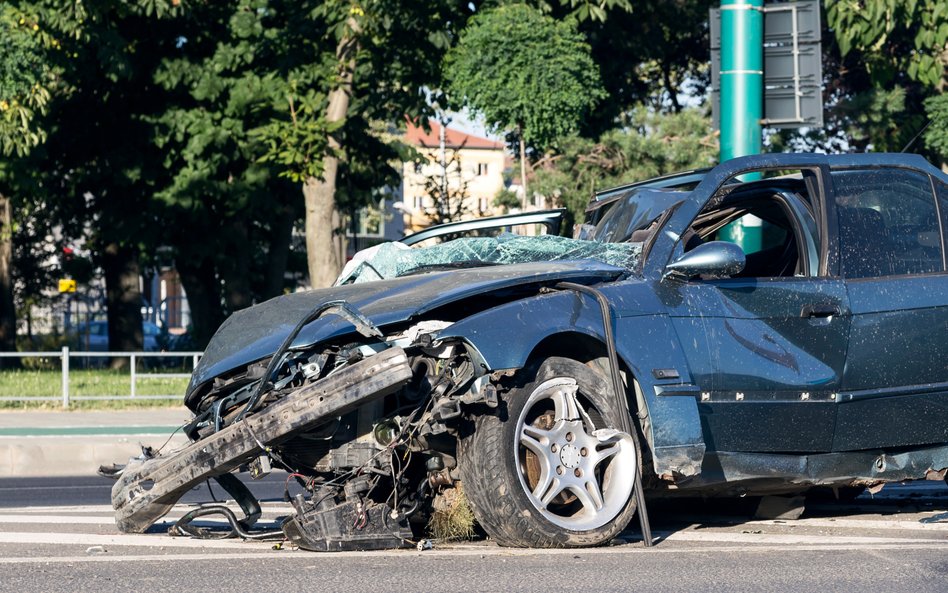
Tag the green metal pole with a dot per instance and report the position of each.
(742, 94)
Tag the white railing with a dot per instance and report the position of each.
(65, 355)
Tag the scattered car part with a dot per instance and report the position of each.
(147, 490)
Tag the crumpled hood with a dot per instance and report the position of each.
(257, 332)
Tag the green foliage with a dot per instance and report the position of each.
(24, 80)
(524, 70)
(589, 10)
(936, 136)
(894, 36)
(874, 117)
(889, 56)
(654, 144)
(506, 199)
(393, 48)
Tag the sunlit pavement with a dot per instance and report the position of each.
(894, 540)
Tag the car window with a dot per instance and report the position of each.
(770, 219)
(632, 216)
(888, 223)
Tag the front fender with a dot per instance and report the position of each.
(507, 335)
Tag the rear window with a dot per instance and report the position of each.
(888, 223)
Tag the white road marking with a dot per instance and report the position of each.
(789, 539)
(934, 521)
(859, 524)
(55, 519)
(82, 487)
(157, 540)
(38, 519)
(448, 552)
(151, 541)
(107, 508)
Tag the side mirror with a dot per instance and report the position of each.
(717, 258)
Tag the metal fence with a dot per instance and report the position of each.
(65, 356)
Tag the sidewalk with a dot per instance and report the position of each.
(53, 443)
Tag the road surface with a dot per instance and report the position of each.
(58, 535)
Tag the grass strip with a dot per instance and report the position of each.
(87, 382)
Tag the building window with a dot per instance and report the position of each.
(418, 167)
(419, 202)
(371, 220)
(483, 204)
(482, 168)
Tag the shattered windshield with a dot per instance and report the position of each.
(629, 217)
(391, 260)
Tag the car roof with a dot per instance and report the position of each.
(688, 180)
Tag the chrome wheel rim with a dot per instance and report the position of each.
(578, 475)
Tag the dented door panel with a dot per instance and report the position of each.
(777, 353)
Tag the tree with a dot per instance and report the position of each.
(651, 53)
(883, 62)
(24, 94)
(339, 66)
(217, 97)
(524, 71)
(936, 136)
(448, 198)
(652, 144)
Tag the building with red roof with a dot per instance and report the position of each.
(470, 167)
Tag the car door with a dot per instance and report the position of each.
(892, 256)
(767, 352)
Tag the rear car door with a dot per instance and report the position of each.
(892, 256)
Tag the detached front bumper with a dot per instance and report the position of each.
(149, 489)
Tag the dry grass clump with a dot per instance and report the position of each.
(452, 518)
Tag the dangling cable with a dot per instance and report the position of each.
(619, 391)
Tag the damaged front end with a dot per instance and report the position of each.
(367, 426)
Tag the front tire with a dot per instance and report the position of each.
(550, 470)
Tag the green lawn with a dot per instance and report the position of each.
(97, 382)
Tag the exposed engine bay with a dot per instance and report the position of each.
(367, 428)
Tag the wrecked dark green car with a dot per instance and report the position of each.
(560, 380)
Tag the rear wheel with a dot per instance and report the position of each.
(551, 469)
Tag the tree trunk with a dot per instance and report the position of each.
(7, 310)
(323, 227)
(281, 235)
(325, 237)
(123, 300)
(523, 168)
(204, 299)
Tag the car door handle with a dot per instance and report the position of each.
(819, 311)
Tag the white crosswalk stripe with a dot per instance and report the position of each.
(70, 530)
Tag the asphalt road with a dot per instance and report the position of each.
(57, 535)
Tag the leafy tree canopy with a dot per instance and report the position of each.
(24, 80)
(653, 144)
(894, 37)
(524, 70)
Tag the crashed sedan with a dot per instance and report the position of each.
(558, 381)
